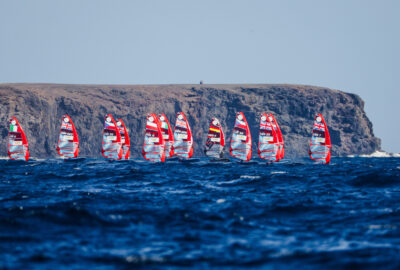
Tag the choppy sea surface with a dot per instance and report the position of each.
(97, 214)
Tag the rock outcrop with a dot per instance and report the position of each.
(39, 108)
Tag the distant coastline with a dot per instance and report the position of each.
(39, 107)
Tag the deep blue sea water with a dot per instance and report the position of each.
(97, 214)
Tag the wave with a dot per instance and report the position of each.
(376, 179)
(379, 154)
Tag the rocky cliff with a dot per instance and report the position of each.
(39, 108)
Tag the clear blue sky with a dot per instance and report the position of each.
(343, 44)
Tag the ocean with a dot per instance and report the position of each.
(97, 214)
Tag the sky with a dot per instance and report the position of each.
(350, 45)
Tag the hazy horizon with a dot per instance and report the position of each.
(351, 46)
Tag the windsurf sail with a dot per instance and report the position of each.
(320, 145)
(126, 142)
(111, 144)
(183, 140)
(167, 135)
(280, 136)
(154, 144)
(241, 139)
(268, 142)
(18, 147)
(215, 140)
(68, 141)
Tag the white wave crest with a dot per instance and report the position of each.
(378, 154)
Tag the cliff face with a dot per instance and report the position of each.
(39, 108)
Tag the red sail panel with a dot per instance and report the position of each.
(222, 137)
(154, 144)
(215, 140)
(280, 136)
(268, 141)
(126, 142)
(320, 144)
(68, 141)
(18, 147)
(111, 144)
(240, 146)
(183, 140)
(167, 135)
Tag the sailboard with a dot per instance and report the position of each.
(240, 146)
(68, 141)
(268, 142)
(320, 144)
(167, 135)
(183, 140)
(215, 143)
(126, 142)
(111, 144)
(18, 147)
(154, 144)
(279, 134)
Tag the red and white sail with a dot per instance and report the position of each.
(241, 139)
(126, 142)
(154, 144)
(167, 135)
(320, 144)
(18, 147)
(111, 145)
(215, 140)
(280, 136)
(268, 142)
(183, 140)
(68, 141)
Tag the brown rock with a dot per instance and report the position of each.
(39, 108)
